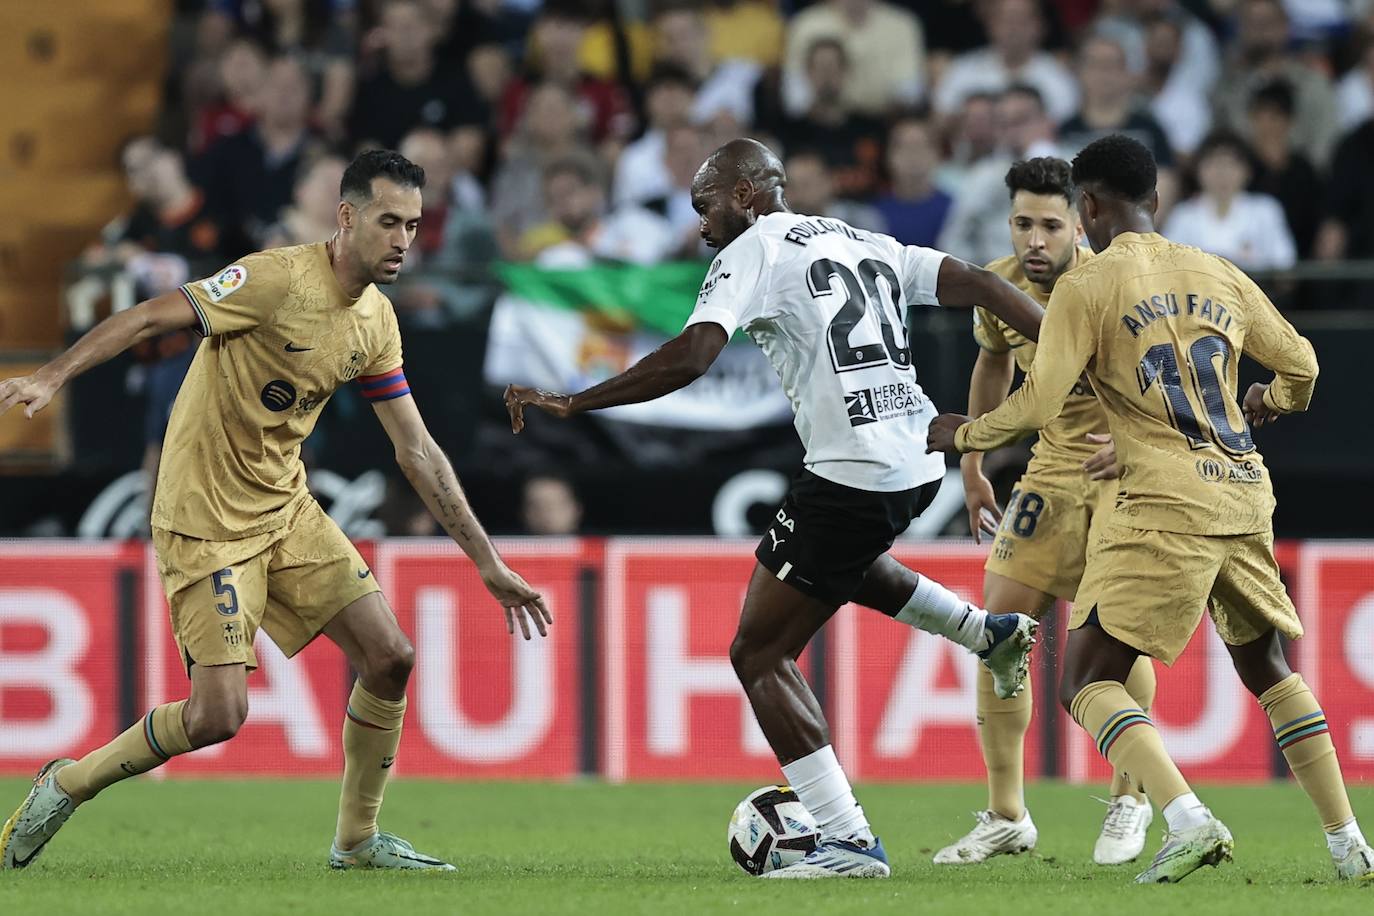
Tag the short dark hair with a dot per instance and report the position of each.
(1028, 91)
(1041, 175)
(1119, 165)
(1275, 95)
(378, 163)
(807, 152)
(1223, 141)
(664, 74)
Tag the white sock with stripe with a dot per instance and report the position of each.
(822, 787)
(936, 609)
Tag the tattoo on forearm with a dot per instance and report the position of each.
(447, 502)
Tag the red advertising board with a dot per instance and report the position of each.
(905, 701)
(59, 677)
(1336, 590)
(661, 615)
(484, 703)
(673, 708)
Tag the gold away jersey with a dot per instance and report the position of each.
(1160, 328)
(1063, 441)
(281, 337)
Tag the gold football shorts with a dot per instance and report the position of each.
(1150, 588)
(291, 582)
(1043, 537)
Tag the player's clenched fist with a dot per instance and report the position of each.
(940, 437)
(29, 390)
(517, 396)
(1258, 413)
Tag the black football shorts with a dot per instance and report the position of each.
(826, 535)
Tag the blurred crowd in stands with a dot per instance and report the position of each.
(567, 131)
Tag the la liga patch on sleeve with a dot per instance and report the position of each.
(230, 279)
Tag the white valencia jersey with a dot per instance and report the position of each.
(827, 304)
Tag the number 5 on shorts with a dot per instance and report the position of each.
(223, 587)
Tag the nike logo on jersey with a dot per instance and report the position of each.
(387, 762)
(364, 573)
(292, 348)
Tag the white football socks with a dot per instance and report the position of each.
(1185, 812)
(823, 788)
(1344, 838)
(936, 609)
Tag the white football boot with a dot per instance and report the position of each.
(839, 859)
(1188, 850)
(1123, 832)
(37, 820)
(1356, 865)
(993, 835)
(384, 850)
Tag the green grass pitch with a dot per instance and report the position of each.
(248, 848)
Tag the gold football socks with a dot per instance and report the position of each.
(1002, 726)
(1128, 739)
(1140, 684)
(371, 734)
(1300, 728)
(147, 744)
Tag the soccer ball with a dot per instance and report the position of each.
(771, 829)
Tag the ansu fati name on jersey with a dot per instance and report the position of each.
(1167, 305)
(873, 405)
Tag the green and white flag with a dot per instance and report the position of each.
(568, 329)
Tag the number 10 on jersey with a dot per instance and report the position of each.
(1161, 364)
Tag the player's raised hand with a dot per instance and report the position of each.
(983, 513)
(940, 436)
(518, 396)
(1103, 464)
(1257, 413)
(521, 602)
(29, 390)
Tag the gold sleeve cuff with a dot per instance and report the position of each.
(1268, 399)
(961, 439)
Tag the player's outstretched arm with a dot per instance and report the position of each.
(431, 474)
(964, 285)
(987, 387)
(1064, 352)
(676, 364)
(168, 312)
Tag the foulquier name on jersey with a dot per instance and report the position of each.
(1167, 305)
(802, 232)
(883, 402)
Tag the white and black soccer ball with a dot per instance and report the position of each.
(771, 829)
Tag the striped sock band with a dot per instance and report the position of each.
(359, 720)
(1301, 728)
(151, 738)
(1116, 725)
